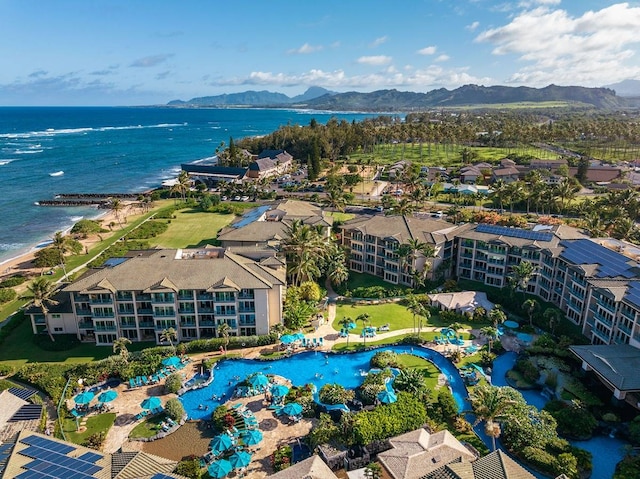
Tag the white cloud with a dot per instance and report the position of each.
(417, 80)
(472, 26)
(442, 58)
(379, 41)
(554, 46)
(151, 61)
(305, 49)
(375, 60)
(427, 50)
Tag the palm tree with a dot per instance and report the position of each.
(531, 306)
(521, 274)
(169, 335)
(336, 264)
(416, 308)
(490, 404)
(223, 330)
(364, 317)
(455, 327)
(42, 291)
(304, 248)
(63, 245)
(116, 206)
(345, 322)
(182, 185)
(120, 347)
(491, 334)
(411, 250)
(553, 316)
(335, 199)
(497, 316)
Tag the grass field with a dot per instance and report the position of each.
(19, 349)
(191, 229)
(427, 368)
(337, 216)
(430, 154)
(95, 424)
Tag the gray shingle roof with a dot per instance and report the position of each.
(616, 363)
(311, 468)
(496, 465)
(162, 271)
(402, 228)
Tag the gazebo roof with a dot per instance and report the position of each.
(618, 364)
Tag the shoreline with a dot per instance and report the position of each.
(22, 263)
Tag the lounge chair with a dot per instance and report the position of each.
(321, 341)
(75, 413)
(132, 383)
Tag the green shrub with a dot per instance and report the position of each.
(85, 227)
(528, 370)
(281, 458)
(217, 417)
(539, 458)
(385, 359)
(7, 294)
(148, 229)
(13, 281)
(573, 419)
(173, 383)
(235, 342)
(634, 430)
(189, 467)
(174, 409)
(335, 394)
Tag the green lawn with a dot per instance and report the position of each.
(192, 228)
(338, 216)
(427, 368)
(148, 428)
(95, 424)
(364, 280)
(19, 348)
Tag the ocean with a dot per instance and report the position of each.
(108, 150)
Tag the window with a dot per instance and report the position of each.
(56, 316)
(226, 297)
(58, 330)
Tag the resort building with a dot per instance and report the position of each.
(33, 455)
(270, 163)
(374, 243)
(416, 453)
(192, 291)
(268, 225)
(311, 468)
(496, 465)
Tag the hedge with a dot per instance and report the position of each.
(7, 294)
(235, 342)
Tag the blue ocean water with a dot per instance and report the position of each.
(103, 150)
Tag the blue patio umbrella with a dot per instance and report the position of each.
(219, 469)
(221, 443)
(240, 459)
(352, 325)
(511, 324)
(279, 390)
(252, 437)
(387, 397)
(108, 396)
(258, 380)
(152, 402)
(292, 409)
(171, 361)
(298, 336)
(84, 398)
(287, 339)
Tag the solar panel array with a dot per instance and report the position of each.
(5, 452)
(91, 457)
(22, 393)
(514, 232)
(633, 293)
(611, 264)
(51, 462)
(27, 413)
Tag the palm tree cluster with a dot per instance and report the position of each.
(614, 214)
(411, 252)
(311, 255)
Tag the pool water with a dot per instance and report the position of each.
(607, 451)
(311, 367)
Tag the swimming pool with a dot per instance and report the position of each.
(607, 451)
(311, 367)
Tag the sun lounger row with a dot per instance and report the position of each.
(312, 342)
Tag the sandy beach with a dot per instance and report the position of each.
(23, 264)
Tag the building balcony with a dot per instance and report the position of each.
(163, 301)
(106, 328)
(603, 319)
(606, 306)
(624, 329)
(573, 305)
(101, 301)
(186, 310)
(165, 315)
(247, 310)
(606, 337)
(145, 311)
(628, 314)
(85, 325)
(207, 322)
(205, 297)
(162, 327)
(96, 314)
(128, 325)
(146, 324)
(83, 312)
(188, 324)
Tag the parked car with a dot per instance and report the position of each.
(244, 198)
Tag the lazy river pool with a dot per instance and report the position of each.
(313, 367)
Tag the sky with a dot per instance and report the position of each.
(141, 52)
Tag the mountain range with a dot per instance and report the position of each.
(319, 98)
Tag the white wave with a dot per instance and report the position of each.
(69, 131)
(10, 246)
(5, 162)
(76, 218)
(27, 152)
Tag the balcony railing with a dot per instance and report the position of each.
(207, 322)
(146, 324)
(128, 325)
(101, 301)
(83, 312)
(103, 314)
(606, 306)
(106, 328)
(603, 319)
(604, 336)
(85, 325)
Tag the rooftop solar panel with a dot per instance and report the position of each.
(91, 457)
(22, 393)
(514, 232)
(27, 412)
(610, 263)
(48, 444)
